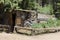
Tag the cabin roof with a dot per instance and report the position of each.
(25, 10)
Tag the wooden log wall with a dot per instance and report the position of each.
(18, 20)
(1, 13)
(8, 18)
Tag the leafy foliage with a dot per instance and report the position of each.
(47, 9)
(20, 4)
(49, 23)
(2, 1)
(28, 4)
(58, 22)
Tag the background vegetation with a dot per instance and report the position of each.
(27, 4)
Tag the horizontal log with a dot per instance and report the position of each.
(29, 28)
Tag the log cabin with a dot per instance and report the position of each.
(17, 17)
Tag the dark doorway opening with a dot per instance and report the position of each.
(13, 19)
(13, 22)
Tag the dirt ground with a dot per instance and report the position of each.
(50, 36)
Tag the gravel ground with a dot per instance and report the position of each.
(50, 36)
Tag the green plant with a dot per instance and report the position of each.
(28, 4)
(36, 26)
(51, 23)
(20, 4)
(39, 25)
(2, 1)
(47, 9)
(58, 22)
(48, 24)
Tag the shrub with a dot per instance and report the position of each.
(49, 23)
(58, 23)
(36, 26)
(47, 9)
